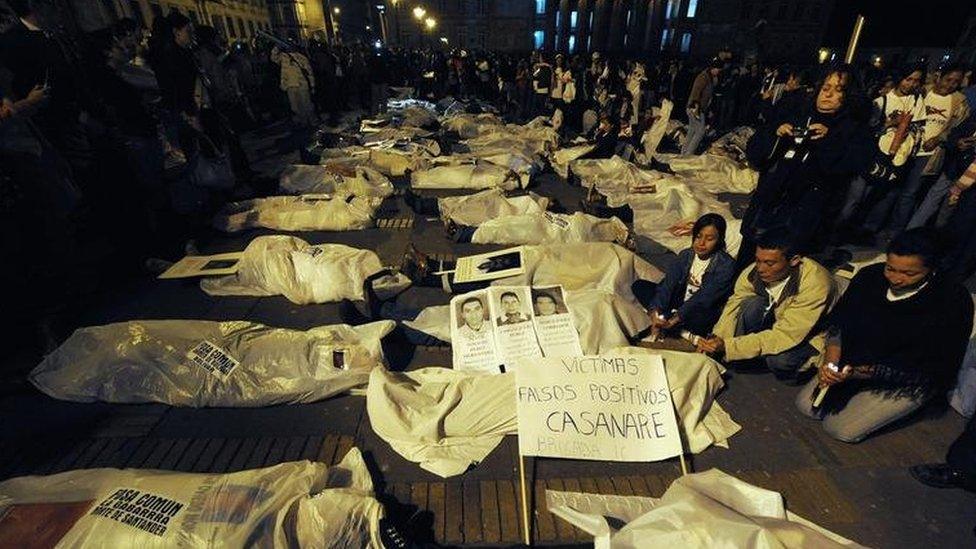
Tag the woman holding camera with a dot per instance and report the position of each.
(806, 157)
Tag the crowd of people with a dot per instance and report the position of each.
(142, 128)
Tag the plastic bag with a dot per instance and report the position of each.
(289, 266)
(335, 179)
(200, 363)
(472, 210)
(301, 504)
(550, 228)
(342, 212)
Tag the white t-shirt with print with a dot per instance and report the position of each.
(938, 109)
(695, 275)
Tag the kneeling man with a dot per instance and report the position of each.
(774, 317)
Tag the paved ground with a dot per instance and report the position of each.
(861, 491)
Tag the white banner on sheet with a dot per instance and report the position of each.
(489, 266)
(493, 329)
(608, 408)
(204, 265)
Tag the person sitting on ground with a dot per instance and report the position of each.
(895, 341)
(774, 316)
(696, 284)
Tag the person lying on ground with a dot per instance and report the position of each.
(895, 341)
(696, 284)
(775, 315)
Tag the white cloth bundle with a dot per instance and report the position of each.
(710, 509)
(303, 273)
(246, 364)
(550, 228)
(476, 175)
(335, 178)
(615, 178)
(300, 504)
(447, 420)
(474, 209)
(342, 212)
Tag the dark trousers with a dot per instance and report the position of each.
(960, 259)
(644, 291)
(962, 454)
(753, 318)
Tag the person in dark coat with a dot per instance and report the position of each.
(696, 284)
(805, 158)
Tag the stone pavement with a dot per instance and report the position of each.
(860, 491)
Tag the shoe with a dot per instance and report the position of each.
(415, 265)
(937, 475)
(391, 536)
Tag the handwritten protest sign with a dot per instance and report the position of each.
(601, 408)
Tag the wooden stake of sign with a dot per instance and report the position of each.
(526, 524)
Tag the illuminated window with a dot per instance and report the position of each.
(669, 10)
(572, 43)
(573, 16)
(685, 42)
(666, 38)
(540, 7)
(539, 37)
(692, 8)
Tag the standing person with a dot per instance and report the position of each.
(959, 469)
(570, 99)
(297, 82)
(960, 230)
(541, 85)
(803, 160)
(899, 113)
(523, 88)
(878, 373)
(946, 109)
(635, 85)
(323, 71)
(556, 89)
(378, 81)
(699, 102)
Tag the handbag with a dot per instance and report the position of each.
(213, 172)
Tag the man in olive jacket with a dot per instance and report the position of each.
(775, 315)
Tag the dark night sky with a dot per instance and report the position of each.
(900, 22)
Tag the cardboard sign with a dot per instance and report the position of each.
(489, 266)
(608, 408)
(492, 330)
(204, 265)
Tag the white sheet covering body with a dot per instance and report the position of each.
(303, 273)
(710, 509)
(300, 504)
(447, 420)
(253, 365)
(615, 178)
(550, 228)
(335, 178)
(963, 396)
(342, 212)
(714, 173)
(476, 175)
(474, 209)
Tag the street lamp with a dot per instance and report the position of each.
(419, 13)
(431, 23)
(336, 10)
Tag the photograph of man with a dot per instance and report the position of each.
(548, 302)
(472, 323)
(511, 309)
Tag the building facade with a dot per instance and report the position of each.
(615, 26)
(504, 25)
(770, 30)
(234, 19)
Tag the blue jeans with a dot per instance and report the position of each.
(906, 201)
(931, 203)
(753, 318)
(696, 132)
(891, 204)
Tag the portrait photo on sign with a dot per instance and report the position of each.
(472, 318)
(503, 262)
(548, 301)
(512, 308)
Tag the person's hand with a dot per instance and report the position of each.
(657, 321)
(930, 144)
(713, 345)
(817, 131)
(827, 376)
(955, 192)
(893, 119)
(37, 94)
(672, 322)
(784, 130)
(966, 143)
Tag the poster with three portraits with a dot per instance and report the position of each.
(493, 328)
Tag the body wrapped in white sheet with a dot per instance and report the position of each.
(475, 175)
(300, 503)
(468, 126)
(447, 420)
(472, 210)
(147, 361)
(303, 273)
(549, 228)
(334, 179)
(342, 212)
(615, 178)
(710, 509)
(713, 173)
